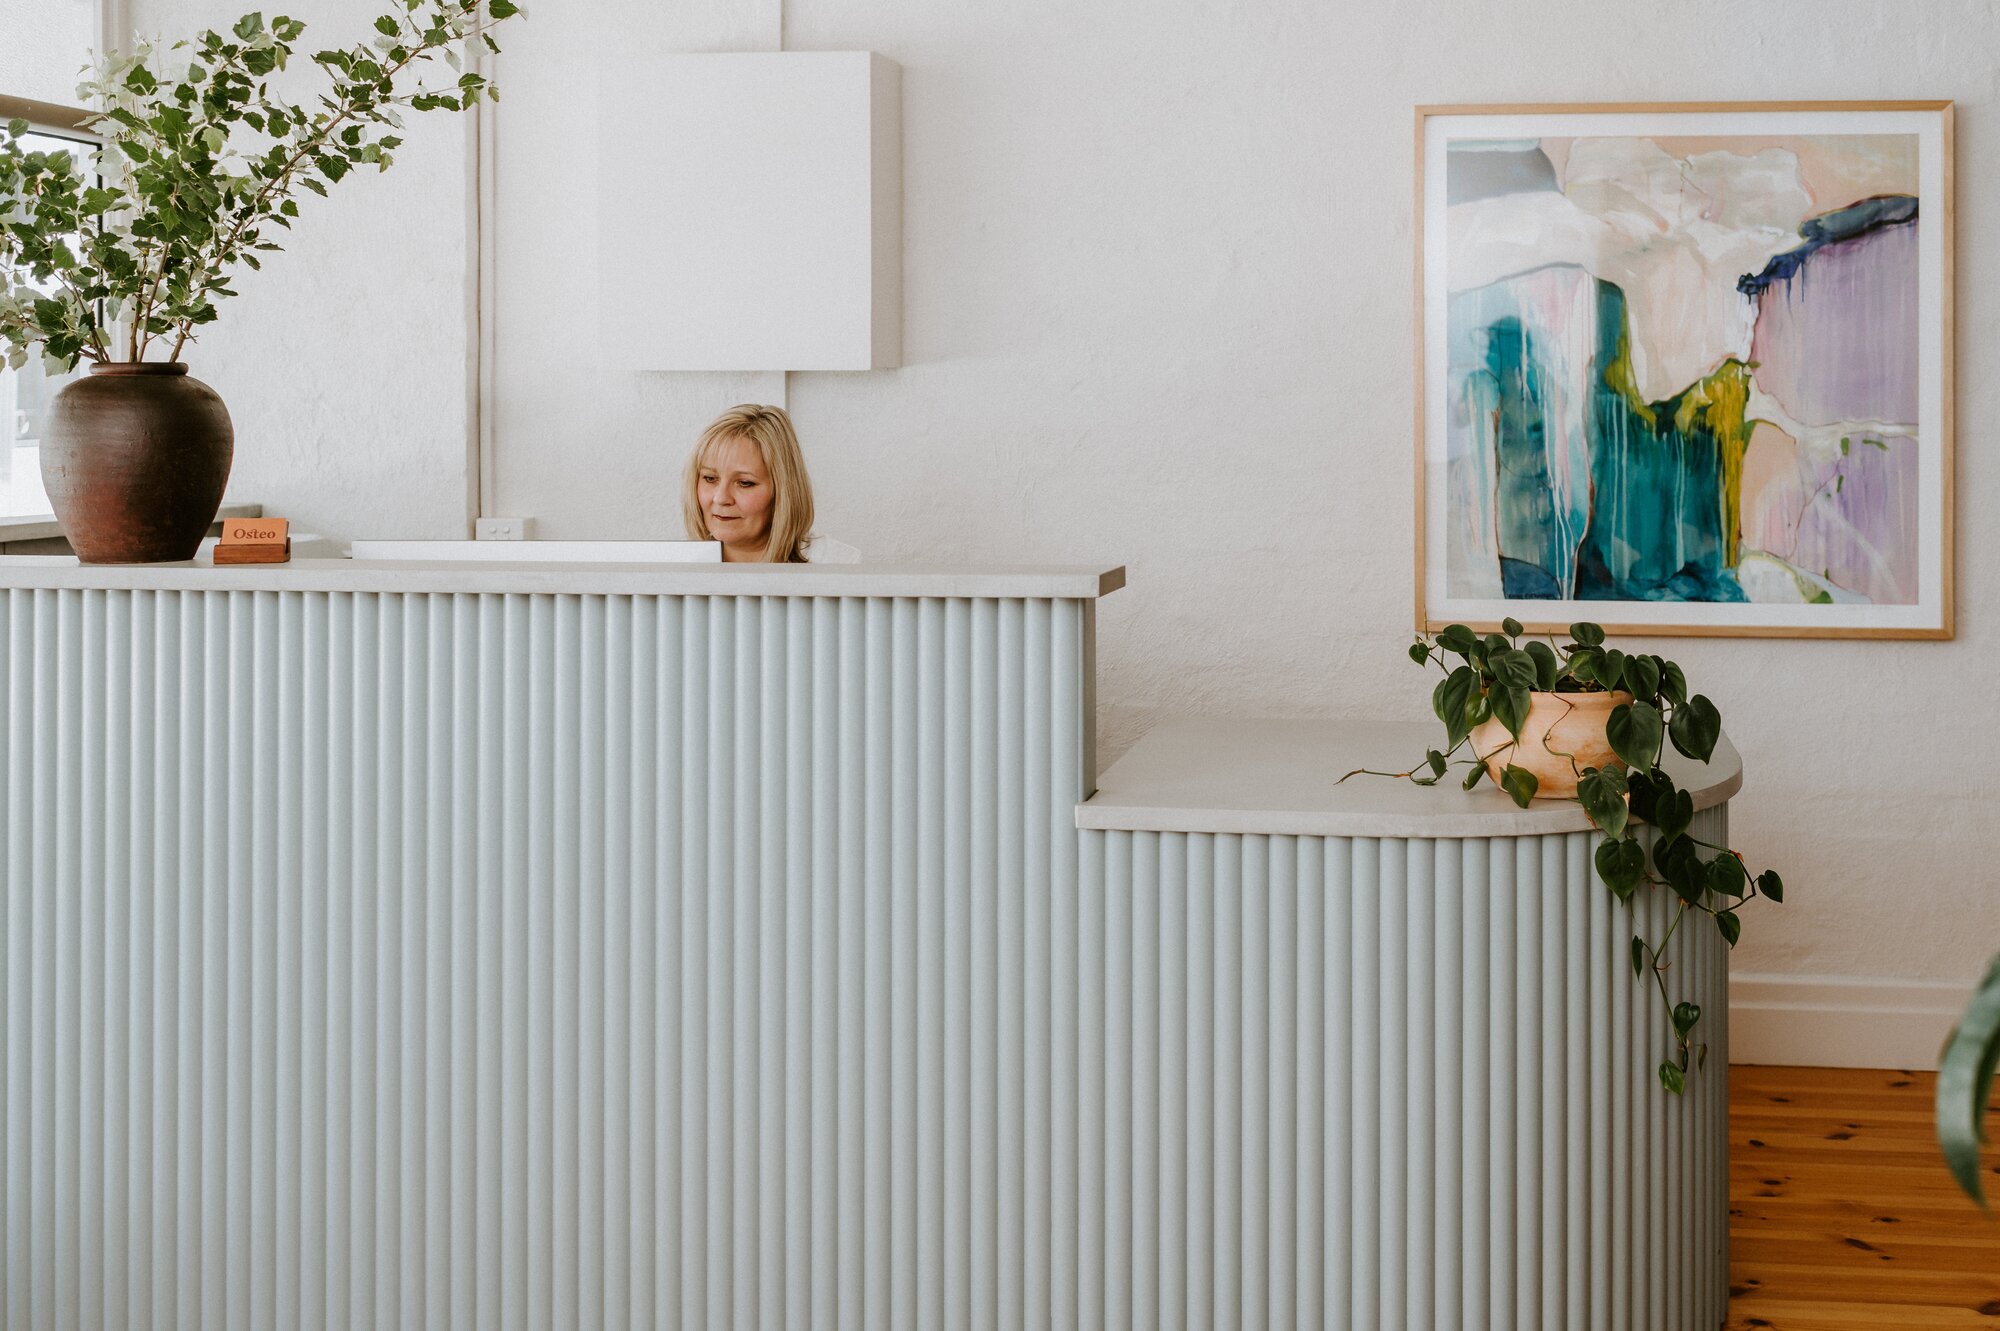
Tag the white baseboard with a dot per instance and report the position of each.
(1835, 1022)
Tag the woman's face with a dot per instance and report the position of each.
(735, 494)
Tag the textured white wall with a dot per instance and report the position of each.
(44, 45)
(344, 361)
(1158, 312)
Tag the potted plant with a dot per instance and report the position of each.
(1965, 1083)
(121, 260)
(1590, 723)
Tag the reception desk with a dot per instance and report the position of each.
(523, 946)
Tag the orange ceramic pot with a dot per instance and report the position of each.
(1564, 734)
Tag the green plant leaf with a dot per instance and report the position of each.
(1510, 705)
(1448, 698)
(1726, 876)
(1696, 727)
(1731, 927)
(1771, 885)
(1547, 668)
(1634, 731)
(1436, 761)
(1590, 635)
(1673, 683)
(1511, 627)
(1673, 1078)
(1520, 783)
(1673, 813)
(1639, 958)
(1603, 801)
(1611, 671)
(1515, 668)
(1458, 639)
(1472, 777)
(1685, 1016)
(1420, 652)
(1640, 795)
(1622, 866)
(1965, 1083)
(1642, 676)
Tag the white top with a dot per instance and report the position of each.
(1038, 581)
(1282, 778)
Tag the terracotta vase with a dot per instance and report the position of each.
(1564, 734)
(135, 459)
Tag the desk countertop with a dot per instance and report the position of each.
(1282, 777)
(345, 575)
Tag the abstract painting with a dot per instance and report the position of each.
(1686, 369)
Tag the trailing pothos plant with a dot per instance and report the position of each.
(1496, 675)
(129, 249)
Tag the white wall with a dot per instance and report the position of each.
(344, 362)
(44, 46)
(1159, 312)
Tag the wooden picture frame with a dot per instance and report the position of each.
(1641, 392)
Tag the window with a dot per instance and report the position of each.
(47, 45)
(25, 393)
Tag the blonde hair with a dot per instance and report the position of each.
(770, 429)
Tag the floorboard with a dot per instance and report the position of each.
(1842, 1217)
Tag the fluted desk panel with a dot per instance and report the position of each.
(1370, 1056)
(517, 946)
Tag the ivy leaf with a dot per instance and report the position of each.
(1673, 1078)
(1547, 669)
(1436, 761)
(1685, 1016)
(1726, 876)
(1510, 704)
(1420, 653)
(1603, 802)
(1641, 791)
(1458, 640)
(1638, 958)
(1520, 783)
(1634, 730)
(1642, 676)
(1696, 728)
(1449, 700)
(1590, 635)
(1771, 885)
(1611, 672)
(1673, 683)
(1731, 927)
(1514, 668)
(1622, 866)
(1472, 777)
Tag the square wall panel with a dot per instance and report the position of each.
(750, 211)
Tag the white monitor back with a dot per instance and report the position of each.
(545, 552)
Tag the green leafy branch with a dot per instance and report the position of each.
(1497, 677)
(201, 163)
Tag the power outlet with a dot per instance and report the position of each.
(501, 529)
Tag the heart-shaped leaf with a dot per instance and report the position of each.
(1515, 669)
(1547, 668)
(1419, 652)
(1771, 885)
(1590, 635)
(1622, 866)
(1731, 927)
(1520, 783)
(1611, 674)
(1510, 704)
(1458, 639)
(1472, 777)
(1436, 761)
(1634, 731)
(1604, 803)
(1639, 958)
(1640, 789)
(1642, 676)
(1673, 683)
(1696, 727)
(1511, 627)
(1685, 1016)
(1726, 876)
(1449, 699)
(1673, 1078)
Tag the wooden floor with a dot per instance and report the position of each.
(1842, 1217)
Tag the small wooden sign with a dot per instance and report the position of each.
(254, 541)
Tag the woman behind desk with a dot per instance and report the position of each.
(747, 487)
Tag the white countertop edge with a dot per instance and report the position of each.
(1542, 818)
(1058, 582)
(1280, 777)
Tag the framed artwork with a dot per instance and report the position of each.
(1686, 368)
